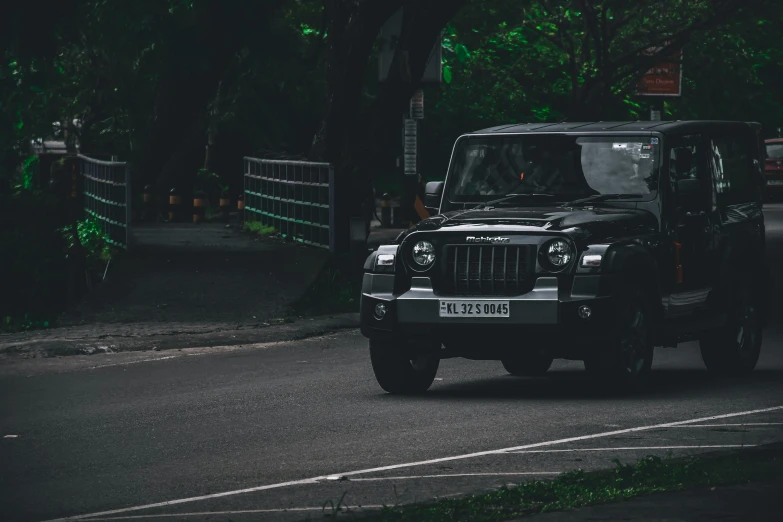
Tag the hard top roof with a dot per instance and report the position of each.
(669, 127)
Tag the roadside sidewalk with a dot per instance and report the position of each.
(183, 285)
(190, 285)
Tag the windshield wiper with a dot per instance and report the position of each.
(601, 197)
(509, 197)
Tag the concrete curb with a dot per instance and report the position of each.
(162, 336)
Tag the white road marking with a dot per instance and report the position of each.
(11, 436)
(241, 512)
(510, 474)
(315, 480)
(631, 448)
(731, 425)
(139, 361)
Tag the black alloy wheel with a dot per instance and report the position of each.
(398, 373)
(735, 348)
(624, 362)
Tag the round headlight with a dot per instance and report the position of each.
(423, 253)
(558, 253)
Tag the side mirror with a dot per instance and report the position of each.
(433, 192)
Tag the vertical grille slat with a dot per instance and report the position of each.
(492, 272)
(480, 263)
(487, 270)
(456, 264)
(505, 265)
(467, 271)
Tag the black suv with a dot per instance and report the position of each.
(585, 241)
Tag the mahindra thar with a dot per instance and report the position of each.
(585, 241)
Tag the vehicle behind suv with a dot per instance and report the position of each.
(773, 168)
(583, 241)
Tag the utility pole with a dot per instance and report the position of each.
(656, 109)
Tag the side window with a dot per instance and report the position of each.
(689, 170)
(731, 162)
(688, 160)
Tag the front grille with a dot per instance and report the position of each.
(488, 270)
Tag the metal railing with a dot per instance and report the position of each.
(293, 197)
(106, 189)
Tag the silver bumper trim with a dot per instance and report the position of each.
(420, 305)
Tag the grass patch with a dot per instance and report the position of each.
(23, 324)
(578, 488)
(330, 293)
(258, 228)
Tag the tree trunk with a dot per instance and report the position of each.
(212, 131)
(351, 140)
(353, 26)
(184, 94)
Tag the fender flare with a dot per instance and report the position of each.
(633, 261)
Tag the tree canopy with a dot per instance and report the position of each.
(177, 86)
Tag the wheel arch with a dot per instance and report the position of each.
(633, 263)
(745, 260)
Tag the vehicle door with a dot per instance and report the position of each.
(695, 225)
(739, 184)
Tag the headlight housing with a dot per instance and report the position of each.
(558, 254)
(423, 253)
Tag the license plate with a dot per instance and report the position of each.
(473, 308)
(775, 182)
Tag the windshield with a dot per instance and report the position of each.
(565, 166)
(775, 150)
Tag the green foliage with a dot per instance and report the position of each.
(23, 324)
(578, 488)
(32, 264)
(331, 293)
(29, 166)
(258, 228)
(208, 182)
(94, 241)
(506, 61)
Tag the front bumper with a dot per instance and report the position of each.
(547, 315)
(774, 187)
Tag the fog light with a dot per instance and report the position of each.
(380, 311)
(584, 312)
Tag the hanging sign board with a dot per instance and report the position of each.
(663, 79)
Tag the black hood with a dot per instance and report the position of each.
(590, 224)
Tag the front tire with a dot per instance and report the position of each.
(626, 360)
(734, 349)
(398, 373)
(527, 365)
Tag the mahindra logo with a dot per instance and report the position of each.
(481, 239)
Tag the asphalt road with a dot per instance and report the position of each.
(273, 432)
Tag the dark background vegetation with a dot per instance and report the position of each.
(177, 87)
